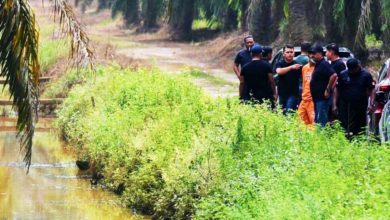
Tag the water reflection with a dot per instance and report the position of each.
(54, 188)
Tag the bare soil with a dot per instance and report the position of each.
(129, 48)
(213, 57)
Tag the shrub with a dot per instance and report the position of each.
(175, 153)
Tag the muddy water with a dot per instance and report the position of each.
(54, 188)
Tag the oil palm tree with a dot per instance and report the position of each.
(19, 63)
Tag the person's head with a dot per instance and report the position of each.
(332, 51)
(353, 65)
(256, 51)
(249, 42)
(318, 52)
(305, 46)
(311, 53)
(288, 53)
(267, 53)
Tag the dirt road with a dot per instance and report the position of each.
(155, 50)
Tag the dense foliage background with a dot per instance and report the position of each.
(347, 22)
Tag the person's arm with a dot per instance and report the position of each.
(335, 100)
(285, 70)
(372, 98)
(236, 66)
(335, 83)
(273, 85)
(331, 85)
(371, 93)
(236, 70)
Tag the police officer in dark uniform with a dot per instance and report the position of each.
(321, 84)
(289, 72)
(333, 56)
(354, 87)
(242, 58)
(259, 80)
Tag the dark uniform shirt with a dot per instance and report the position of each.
(256, 79)
(352, 88)
(338, 66)
(243, 57)
(288, 84)
(320, 79)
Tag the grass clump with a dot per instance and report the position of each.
(60, 87)
(173, 152)
(51, 51)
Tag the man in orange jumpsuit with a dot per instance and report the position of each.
(306, 107)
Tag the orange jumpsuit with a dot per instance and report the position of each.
(306, 107)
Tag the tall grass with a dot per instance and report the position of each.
(173, 152)
(51, 51)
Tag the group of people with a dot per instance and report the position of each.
(317, 83)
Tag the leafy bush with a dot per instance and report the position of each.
(175, 153)
(373, 42)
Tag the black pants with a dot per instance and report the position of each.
(353, 116)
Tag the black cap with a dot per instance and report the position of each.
(353, 63)
(316, 49)
(333, 47)
(267, 50)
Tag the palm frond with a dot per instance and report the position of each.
(79, 40)
(19, 63)
(20, 67)
(339, 14)
(364, 25)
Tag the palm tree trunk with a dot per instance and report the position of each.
(277, 16)
(230, 21)
(297, 29)
(244, 4)
(151, 13)
(260, 22)
(182, 16)
(332, 29)
(352, 14)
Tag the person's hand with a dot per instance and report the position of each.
(335, 110)
(241, 78)
(296, 66)
(275, 97)
(371, 108)
(326, 94)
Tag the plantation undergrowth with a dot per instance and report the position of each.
(173, 152)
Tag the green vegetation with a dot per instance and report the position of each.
(52, 51)
(198, 74)
(61, 87)
(373, 42)
(199, 24)
(173, 152)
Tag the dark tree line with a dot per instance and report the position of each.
(346, 22)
